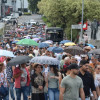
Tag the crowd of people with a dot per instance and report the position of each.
(77, 77)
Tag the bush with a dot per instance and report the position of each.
(27, 13)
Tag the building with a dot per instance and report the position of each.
(18, 5)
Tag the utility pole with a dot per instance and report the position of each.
(0, 7)
(82, 20)
(23, 5)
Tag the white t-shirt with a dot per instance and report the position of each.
(98, 78)
(36, 52)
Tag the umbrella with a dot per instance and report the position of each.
(92, 46)
(15, 41)
(36, 39)
(55, 49)
(19, 60)
(6, 53)
(48, 41)
(95, 51)
(43, 45)
(74, 50)
(50, 48)
(34, 36)
(69, 44)
(27, 42)
(65, 41)
(45, 60)
(39, 33)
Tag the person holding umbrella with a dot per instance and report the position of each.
(22, 80)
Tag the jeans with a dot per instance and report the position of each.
(46, 96)
(29, 90)
(7, 97)
(11, 89)
(53, 93)
(21, 90)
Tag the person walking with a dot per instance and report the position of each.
(53, 83)
(3, 81)
(10, 78)
(38, 83)
(22, 81)
(88, 80)
(72, 85)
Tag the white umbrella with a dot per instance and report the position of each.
(45, 60)
(6, 53)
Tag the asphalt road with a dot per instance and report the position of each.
(34, 17)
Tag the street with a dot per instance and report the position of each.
(24, 18)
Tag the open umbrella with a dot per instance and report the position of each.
(27, 42)
(6, 53)
(36, 39)
(48, 41)
(95, 51)
(92, 46)
(64, 41)
(43, 45)
(19, 60)
(74, 50)
(45, 60)
(69, 44)
(55, 49)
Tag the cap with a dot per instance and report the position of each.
(73, 66)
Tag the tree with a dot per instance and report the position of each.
(33, 5)
(64, 13)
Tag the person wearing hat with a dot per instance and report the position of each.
(72, 85)
(88, 80)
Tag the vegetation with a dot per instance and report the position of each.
(33, 5)
(27, 13)
(64, 13)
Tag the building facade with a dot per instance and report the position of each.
(18, 5)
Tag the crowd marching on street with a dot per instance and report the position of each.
(41, 69)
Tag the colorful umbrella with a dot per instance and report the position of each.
(27, 42)
(55, 49)
(36, 39)
(92, 46)
(65, 41)
(43, 45)
(69, 44)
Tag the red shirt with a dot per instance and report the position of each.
(18, 80)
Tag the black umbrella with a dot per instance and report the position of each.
(95, 51)
(18, 60)
(74, 50)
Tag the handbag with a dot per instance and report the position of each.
(3, 90)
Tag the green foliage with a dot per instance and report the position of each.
(33, 5)
(64, 13)
(27, 13)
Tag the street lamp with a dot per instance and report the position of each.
(82, 20)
